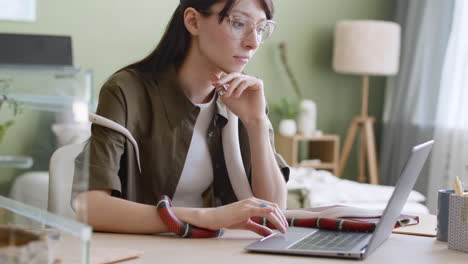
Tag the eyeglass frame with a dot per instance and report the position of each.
(254, 25)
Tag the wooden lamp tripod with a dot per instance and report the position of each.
(367, 150)
(365, 47)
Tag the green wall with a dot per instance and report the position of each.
(307, 26)
(108, 34)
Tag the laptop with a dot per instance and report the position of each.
(354, 245)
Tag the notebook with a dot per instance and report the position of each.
(427, 227)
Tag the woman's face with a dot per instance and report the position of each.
(217, 43)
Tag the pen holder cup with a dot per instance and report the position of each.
(458, 223)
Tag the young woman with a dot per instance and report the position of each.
(188, 133)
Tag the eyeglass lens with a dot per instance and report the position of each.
(241, 28)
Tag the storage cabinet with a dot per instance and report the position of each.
(322, 151)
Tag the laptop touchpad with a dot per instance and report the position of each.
(279, 240)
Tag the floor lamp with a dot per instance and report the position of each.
(367, 48)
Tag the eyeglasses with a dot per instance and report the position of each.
(242, 27)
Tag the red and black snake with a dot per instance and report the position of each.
(179, 227)
(323, 223)
(186, 230)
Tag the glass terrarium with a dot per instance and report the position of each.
(43, 110)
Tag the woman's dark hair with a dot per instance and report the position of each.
(174, 44)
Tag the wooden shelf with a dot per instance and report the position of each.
(324, 148)
(322, 166)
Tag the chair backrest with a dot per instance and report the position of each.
(61, 170)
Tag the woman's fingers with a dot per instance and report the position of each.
(270, 215)
(238, 215)
(259, 229)
(241, 89)
(214, 78)
(280, 215)
(227, 78)
(236, 83)
(273, 218)
(276, 210)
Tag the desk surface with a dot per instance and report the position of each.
(230, 249)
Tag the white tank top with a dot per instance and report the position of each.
(197, 174)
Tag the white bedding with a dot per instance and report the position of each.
(323, 188)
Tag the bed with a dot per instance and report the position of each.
(308, 187)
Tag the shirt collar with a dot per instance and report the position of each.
(221, 108)
(177, 106)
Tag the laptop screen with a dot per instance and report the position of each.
(402, 190)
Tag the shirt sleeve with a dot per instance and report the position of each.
(97, 166)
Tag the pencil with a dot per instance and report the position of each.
(457, 186)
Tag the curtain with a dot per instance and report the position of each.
(412, 96)
(450, 154)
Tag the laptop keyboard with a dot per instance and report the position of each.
(330, 240)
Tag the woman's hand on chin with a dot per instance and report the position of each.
(237, 216)
(243, 95)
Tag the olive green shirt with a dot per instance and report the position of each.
(161, 119)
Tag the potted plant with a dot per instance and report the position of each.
(287, 112)
(14, 105)
(304, 111)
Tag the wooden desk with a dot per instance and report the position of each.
(230, 249)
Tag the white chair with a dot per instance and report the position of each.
(62, 167)
(61, 170)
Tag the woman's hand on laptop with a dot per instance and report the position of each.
(237, 216)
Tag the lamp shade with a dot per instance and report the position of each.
(366, 47)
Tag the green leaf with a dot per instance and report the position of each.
(4, 127)
(286, 109)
